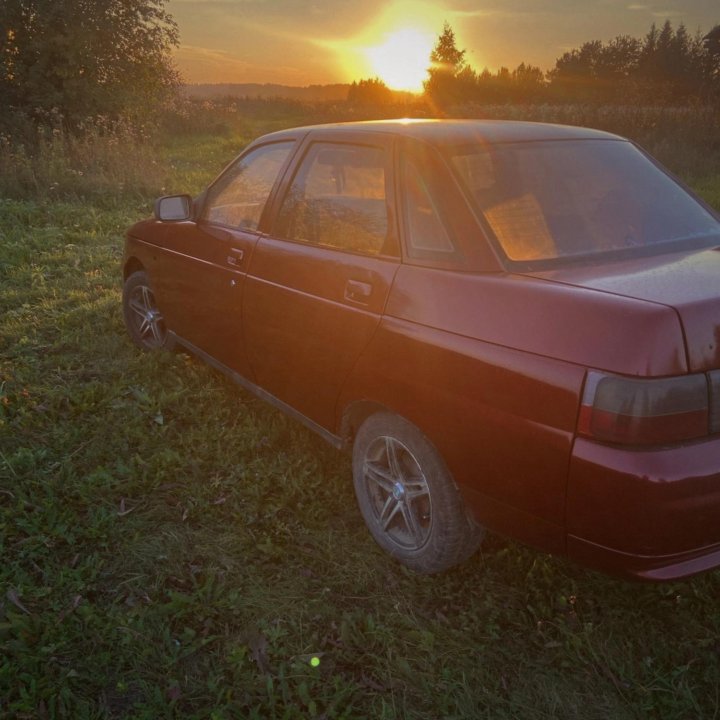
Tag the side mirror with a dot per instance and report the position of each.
(174, 208)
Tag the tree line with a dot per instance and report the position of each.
(666, 67)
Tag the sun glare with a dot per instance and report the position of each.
(402, 59)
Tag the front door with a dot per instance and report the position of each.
(201, 276)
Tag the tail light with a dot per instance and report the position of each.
(655, 411)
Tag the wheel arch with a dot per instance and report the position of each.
(355, 414)
(132, 265)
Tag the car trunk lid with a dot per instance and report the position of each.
(687, 282)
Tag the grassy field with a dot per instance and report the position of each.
(173, 548)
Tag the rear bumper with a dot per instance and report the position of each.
(657, 568)
(648, 514)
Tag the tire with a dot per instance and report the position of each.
(143, 320)
(408, 498)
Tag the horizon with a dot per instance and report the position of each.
(329, 42)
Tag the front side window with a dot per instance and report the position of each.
(552, 200)
(238, 198)
(337, 199)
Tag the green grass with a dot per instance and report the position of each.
(172, 547)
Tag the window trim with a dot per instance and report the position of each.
(473, 250)
(439, 257)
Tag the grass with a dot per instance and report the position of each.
(173, 547)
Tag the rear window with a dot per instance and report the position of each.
(555, 200)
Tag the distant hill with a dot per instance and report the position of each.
(312, 93)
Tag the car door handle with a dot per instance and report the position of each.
(357, 291)
(237, 256)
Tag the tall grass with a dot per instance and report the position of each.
(107, 160)
(685, 139)
(102, 160)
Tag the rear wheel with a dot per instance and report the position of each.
(408, 498)
(143, 319)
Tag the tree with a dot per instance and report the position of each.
(528, 83)
(445, 54)
(81, 58)
(449, 76)
(372, 91)
(673, 66)
(667, 66)
(711, 44)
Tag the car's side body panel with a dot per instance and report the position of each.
(503, 422)
(586, 327)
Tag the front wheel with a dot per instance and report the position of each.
(408, 498)
(144, 321)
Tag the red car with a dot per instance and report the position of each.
(513, 326)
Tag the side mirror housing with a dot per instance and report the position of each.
(174, 208)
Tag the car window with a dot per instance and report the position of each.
(563, 199)
(425, 230)
(337, 199)
(239, 196)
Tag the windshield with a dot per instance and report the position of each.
(564, 199)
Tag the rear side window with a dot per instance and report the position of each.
(238, 198)
(425, 230)
(338, 199)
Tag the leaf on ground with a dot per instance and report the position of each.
(123, 509)
(139, 394)
(73, 606)
(371, 684)
(258, 645)
(14, 598)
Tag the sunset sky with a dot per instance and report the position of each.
(298, 42)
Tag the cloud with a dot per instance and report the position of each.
(473, 13)
(203, 65)
(667, 14)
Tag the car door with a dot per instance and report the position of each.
(318, 283)
(201, 275)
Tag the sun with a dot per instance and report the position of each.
(402, 59)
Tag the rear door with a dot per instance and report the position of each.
(318, 283)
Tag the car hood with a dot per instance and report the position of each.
(687, 282)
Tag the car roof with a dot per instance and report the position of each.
(456, 132)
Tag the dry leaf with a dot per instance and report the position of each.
(258, 651)
(14, 598)
(73, 606)
(123, 511)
